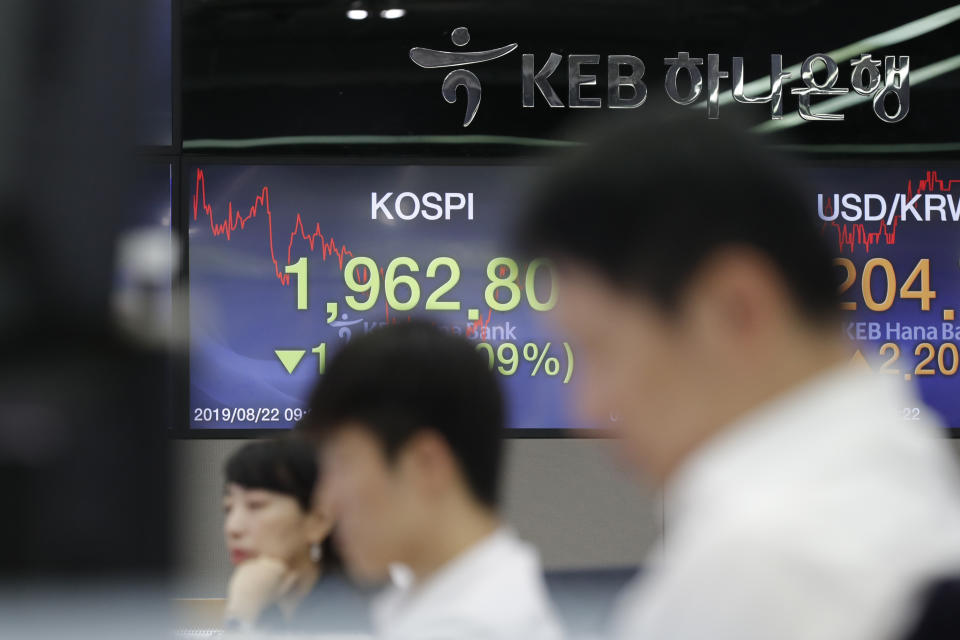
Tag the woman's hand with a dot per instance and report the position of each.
(255, 585)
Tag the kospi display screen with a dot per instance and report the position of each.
(289, 262)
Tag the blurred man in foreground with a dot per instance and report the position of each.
(411, 424)
(701, 301)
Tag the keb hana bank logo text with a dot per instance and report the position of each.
(887, 83)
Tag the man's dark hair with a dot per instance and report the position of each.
(406, 378)
(648, 201)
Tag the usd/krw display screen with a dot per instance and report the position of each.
(896, 236)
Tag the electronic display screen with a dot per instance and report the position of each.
(289, 262)
(146, 256)
(896, 235)
(154, 187)
(154, 78)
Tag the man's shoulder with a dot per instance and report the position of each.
(850, 564)
(500, 593)
(476, 614)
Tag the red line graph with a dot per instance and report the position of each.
(479, 327)
(932, 183)
(236, 220)
(851, 235)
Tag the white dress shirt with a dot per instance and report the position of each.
(493, 591)
(819, 516)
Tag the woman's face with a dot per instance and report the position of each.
(261, 522)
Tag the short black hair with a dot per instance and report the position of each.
(286, 465)
(404, 378)
(648, 200)
(283, 465)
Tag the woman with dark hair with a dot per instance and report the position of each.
(276, 533)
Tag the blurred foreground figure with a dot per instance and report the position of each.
(695, 286)
(83, 409)
(411, 424)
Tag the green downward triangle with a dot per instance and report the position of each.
(290, 358)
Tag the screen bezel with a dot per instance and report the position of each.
(181, 427)
(175, 146)
(183, 162)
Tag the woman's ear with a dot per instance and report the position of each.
(318, 523)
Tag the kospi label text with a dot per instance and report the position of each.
(430, 206)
